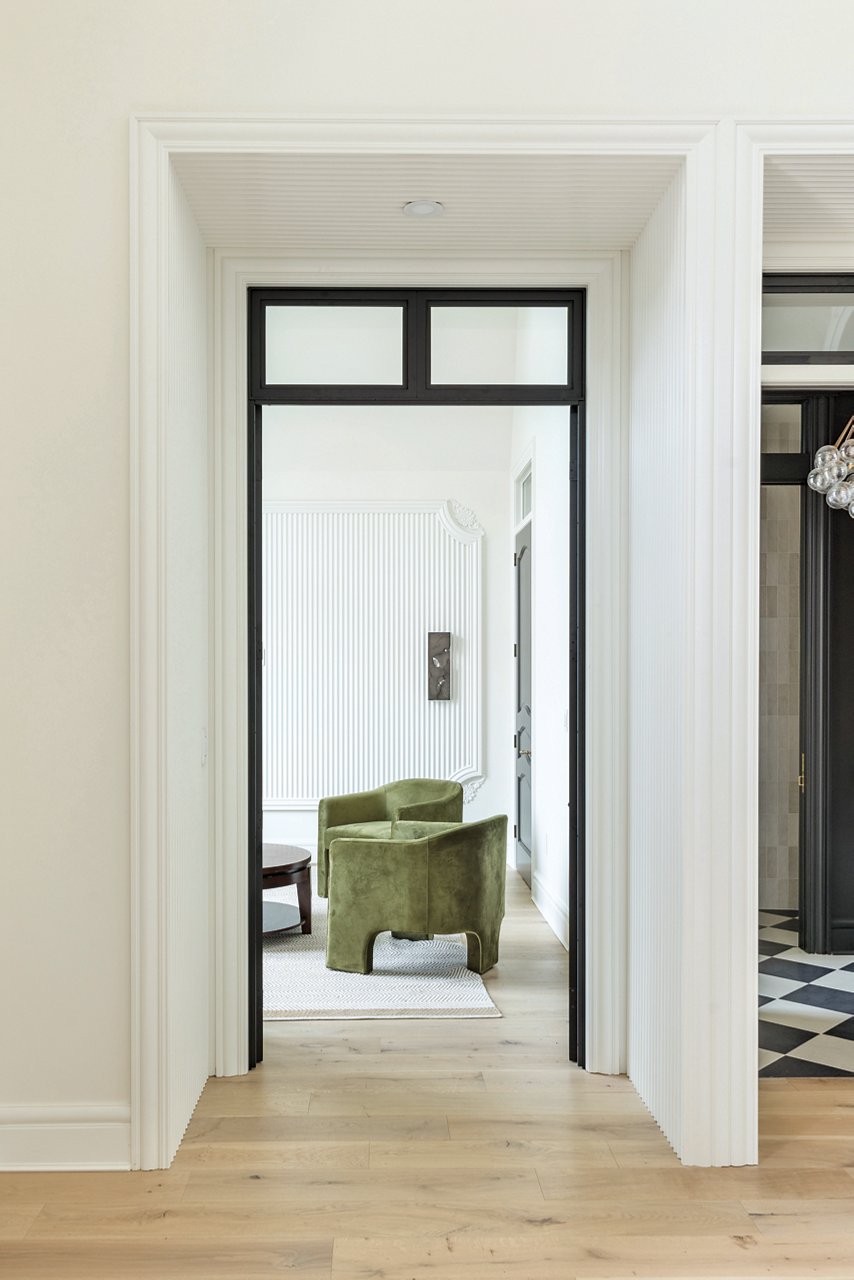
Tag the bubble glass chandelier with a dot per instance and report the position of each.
(833, 471)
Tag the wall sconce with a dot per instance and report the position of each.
(438, 666)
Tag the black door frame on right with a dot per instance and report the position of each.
(416, 388)
(820, 930)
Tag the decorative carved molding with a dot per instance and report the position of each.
(464, 517)
(471, 788)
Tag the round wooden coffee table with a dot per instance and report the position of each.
(286, 864)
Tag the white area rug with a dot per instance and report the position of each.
(410, 979)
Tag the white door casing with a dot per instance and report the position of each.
(723, 254)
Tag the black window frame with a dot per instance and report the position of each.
(415, 387)
(821, 282)
(415, 390)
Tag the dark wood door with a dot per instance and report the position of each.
(826, 827)
(827, 675)
(522, 741)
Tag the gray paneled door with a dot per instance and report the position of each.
(522, 741)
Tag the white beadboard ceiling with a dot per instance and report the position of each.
(809, 198)
(514, 206)
(495, 206)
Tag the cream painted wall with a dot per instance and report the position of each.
(70, 75)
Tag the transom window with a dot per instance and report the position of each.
(808, 319)
(518, 346)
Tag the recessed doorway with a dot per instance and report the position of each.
(806, 713)
(440, 368)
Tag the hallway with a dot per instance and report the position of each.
(448, 1149)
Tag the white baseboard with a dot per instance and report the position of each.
(554, 912)
(64, 1137)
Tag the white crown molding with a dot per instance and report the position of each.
(458, 521)
(413, 134)
(797, 137)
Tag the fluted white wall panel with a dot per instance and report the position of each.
(350, 592)
(660, 455)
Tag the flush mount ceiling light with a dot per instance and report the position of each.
(423, 208)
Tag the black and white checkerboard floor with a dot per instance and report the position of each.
(806, 1004)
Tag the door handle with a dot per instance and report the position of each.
(525, 753)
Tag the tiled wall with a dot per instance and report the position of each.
(779, 686)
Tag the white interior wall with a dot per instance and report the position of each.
(659, 663)
(187, 915)
(543, 432)
(72, 75)
(402, 453)
(73, 1108)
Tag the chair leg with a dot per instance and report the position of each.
(304, 900)
(323, 873)
(349, 955)
(482, 950)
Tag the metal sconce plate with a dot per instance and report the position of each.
(438, 666)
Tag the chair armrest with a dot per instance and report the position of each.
(340, 811)
(412, 830)
(360, 806)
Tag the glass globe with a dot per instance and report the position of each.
(846, 452)
(840, 495)
(826, 454)
(818, 480)
(835, 471)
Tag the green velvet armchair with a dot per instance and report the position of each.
(428, 878)
(368, 815)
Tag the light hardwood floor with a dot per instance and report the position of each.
(422, 1150)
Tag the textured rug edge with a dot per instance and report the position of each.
(362, 1015)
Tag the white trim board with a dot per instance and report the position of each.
(724, 257)
(554, 912)
(828, 255)
(606, 643)
(64, 1137)
(819, 376)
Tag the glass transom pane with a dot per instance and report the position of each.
(526, 494)
(499, 346)
(808, 322)
(781, 428)
(334, 346)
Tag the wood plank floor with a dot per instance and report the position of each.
(421, 1150)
